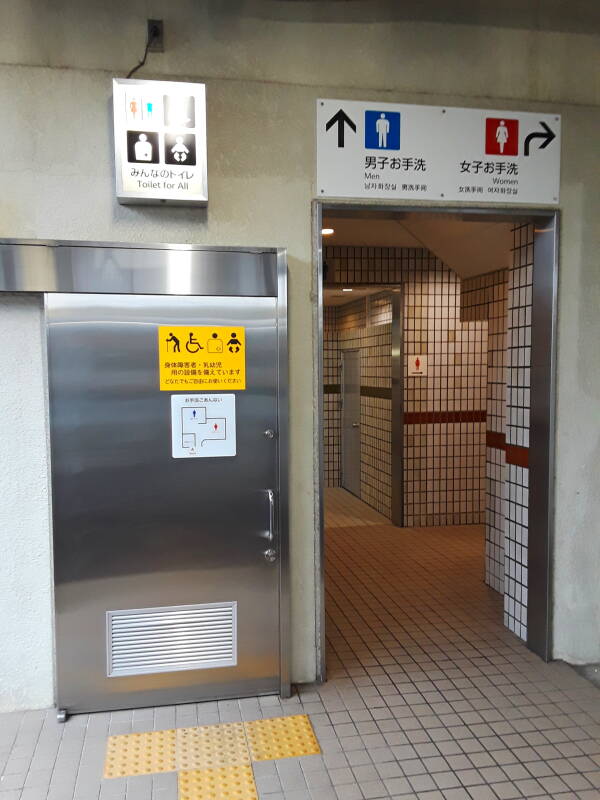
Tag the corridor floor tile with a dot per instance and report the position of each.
(428, 697)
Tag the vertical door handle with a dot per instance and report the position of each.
(271, 498)
(271, 553)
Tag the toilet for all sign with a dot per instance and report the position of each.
(385, 150)
(160, 142)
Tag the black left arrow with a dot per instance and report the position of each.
(340, 119)
(547, 135)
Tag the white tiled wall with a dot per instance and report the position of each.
(444, 458)
(494, 518)
(505, 299)
(363, 326)
(444, 432)
(520, 288)
(485, 298)
(331, 399)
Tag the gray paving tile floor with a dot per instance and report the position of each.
(428, 696)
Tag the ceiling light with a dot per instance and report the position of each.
(327, 231)
(346, 290)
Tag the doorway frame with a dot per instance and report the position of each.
(542, 413)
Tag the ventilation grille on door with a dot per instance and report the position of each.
(147, 640)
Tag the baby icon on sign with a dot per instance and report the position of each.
(234, 345)
(180, 149)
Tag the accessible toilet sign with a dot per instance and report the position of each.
(391, 151)
(160, 142)
(203, 357)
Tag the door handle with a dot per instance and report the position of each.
(270, 554)
(271, 499)
(356, 424)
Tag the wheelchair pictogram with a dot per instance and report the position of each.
(193, 345)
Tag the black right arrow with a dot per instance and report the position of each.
(340, 119)
(547, 135)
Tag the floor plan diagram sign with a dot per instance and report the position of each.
(388, 150)
(203, 425)
(202, 357)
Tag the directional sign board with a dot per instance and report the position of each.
(160, 142)
(385, 150)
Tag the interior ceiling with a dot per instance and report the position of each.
(469, 244)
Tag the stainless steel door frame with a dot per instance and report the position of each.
(92, 268)
(350, 399)
(107, 268)
(398, 407)
(283, 455)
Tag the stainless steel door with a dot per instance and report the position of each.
(351, 421)
(137, 530)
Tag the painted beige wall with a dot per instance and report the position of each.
(263, 72)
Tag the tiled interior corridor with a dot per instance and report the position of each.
(428, 696)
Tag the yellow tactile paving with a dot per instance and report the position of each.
(281, 737)
(213, 761)
(211, 746)
(140, 754)
(222, 783)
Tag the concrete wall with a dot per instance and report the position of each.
(26, 664)
(265, 63)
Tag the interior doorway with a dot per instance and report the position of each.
(350, 409)
(446, 319)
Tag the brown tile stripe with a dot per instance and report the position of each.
(376, 391)
(429, 417)
(495, 440)
(518, 456)
(365, 391)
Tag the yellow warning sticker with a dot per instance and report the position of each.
(201, 358)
